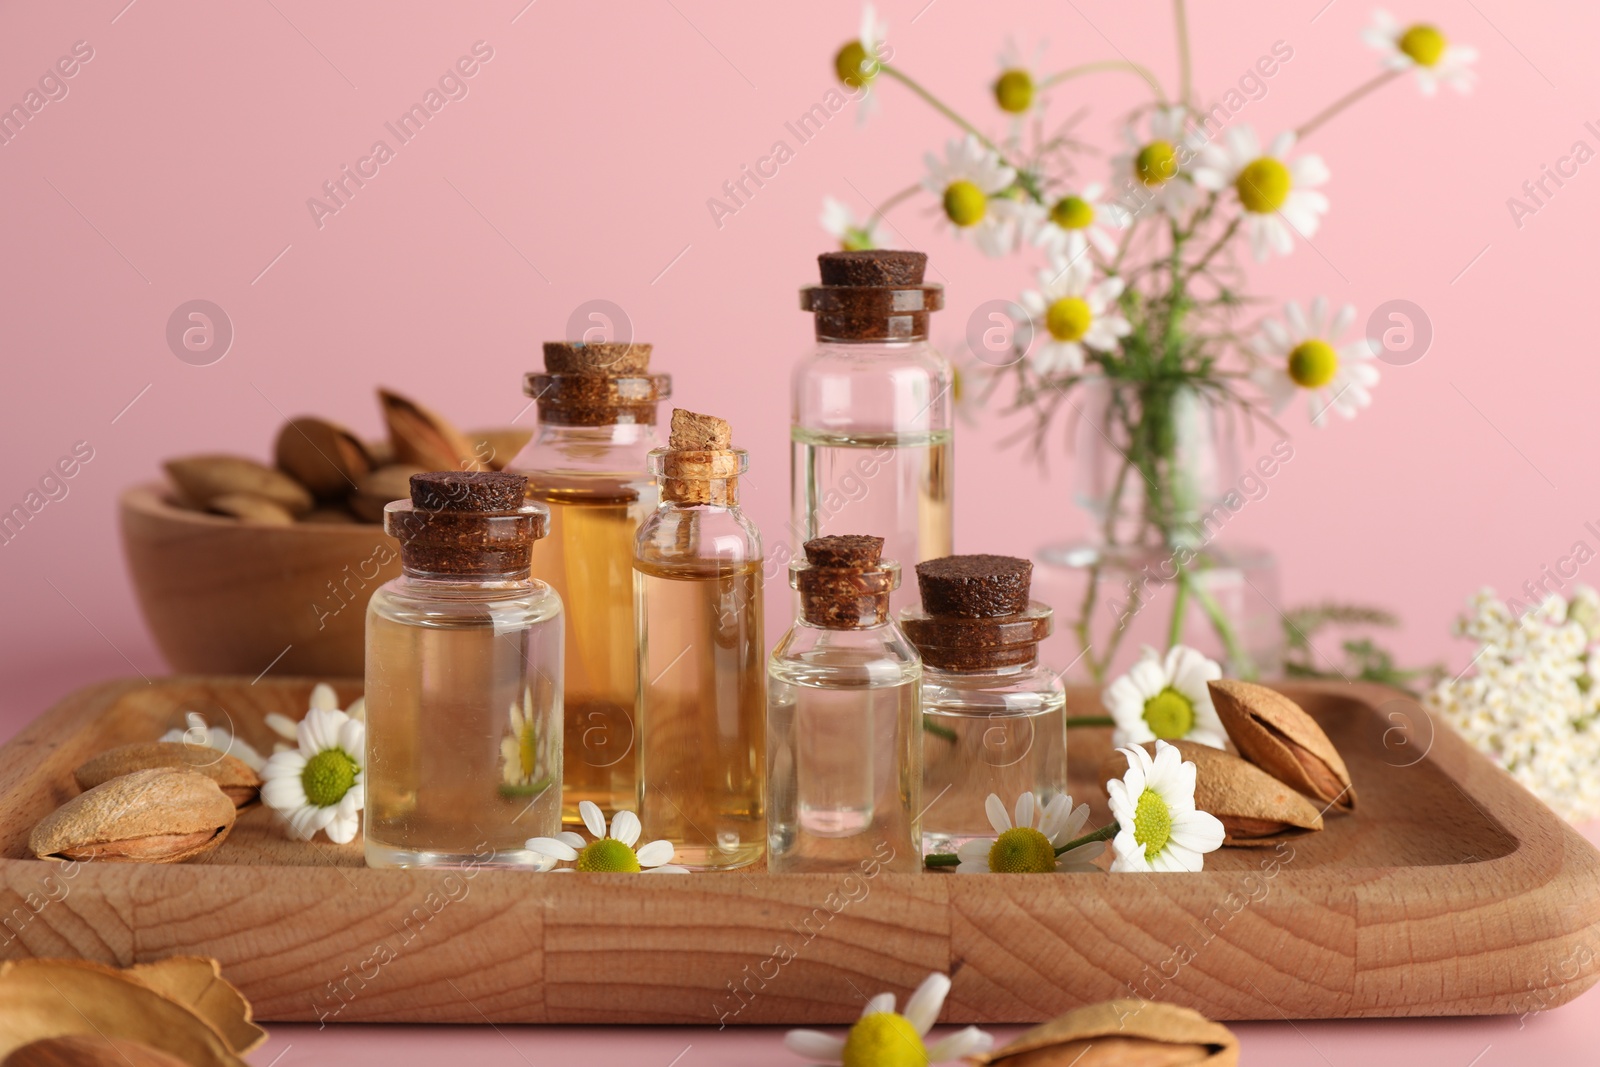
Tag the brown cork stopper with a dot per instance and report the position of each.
(975, 587)
(844, 583)
(466, 524)
(699, 464)
(872, 296)
(879, 267)
(598, 360)
(602, 384)
(956, 643)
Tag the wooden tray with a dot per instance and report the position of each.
(1452, 891)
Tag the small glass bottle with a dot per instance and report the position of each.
(994, 721)
(463, 693)
(844, 726)
(702, 707)
(597, 423)
(871, 426)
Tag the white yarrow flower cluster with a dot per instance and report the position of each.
(1530, 699)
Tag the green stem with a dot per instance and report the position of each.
(941, 859)
(1105, 833)
(938, 731)
(942, 108)
(1206, 257)
(1180, 604)
(1181, 18)
(1107, 64)
(1090, 720)
(1223, 626)
(1345, 101)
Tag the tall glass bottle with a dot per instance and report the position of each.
(597, 423)
(463, 688)
(701, 691)
(844, 728)
(871, 426)
(994, 720)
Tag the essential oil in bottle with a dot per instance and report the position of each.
(994, 721)
(701, 688)
(844, 725)
(871, 426)
(463, 692)
(587, 464)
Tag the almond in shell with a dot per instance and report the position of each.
(424, 438)
(1255, 808)
(498, 446)
(236, 780)
(151, 816)
(378, 488)
(1277, 735)
(323, 456)
(202, 479)
(251, 508)
(1121, 1033)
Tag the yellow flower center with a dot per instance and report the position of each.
(1152, 823)
(1313, 364)
(1156, 163)
(1263, 185)
(1022, 850)
(1013, 91)
(964, 203)
(1072, 213)
(854, 66)
(1068, 319)
(608, 855)
(328, 776)
(1423, 43)
(1169, 714)
(884, 1039)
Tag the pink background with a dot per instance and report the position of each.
(578, 167)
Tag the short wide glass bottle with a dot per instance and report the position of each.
(463, 687)
(844, 727)
(994, 720)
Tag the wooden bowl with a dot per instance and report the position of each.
(228, 596)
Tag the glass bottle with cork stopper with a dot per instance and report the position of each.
(463, 687)
(844, 728)
(587, 464)
(871, 426)
(994, 719)
(701, 705)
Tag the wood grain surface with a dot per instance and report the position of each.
(1450, 891)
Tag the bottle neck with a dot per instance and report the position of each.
(422, 583)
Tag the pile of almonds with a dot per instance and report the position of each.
(158, 802)
(323, 472)
(1286, 775)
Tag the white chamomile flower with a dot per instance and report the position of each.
(1152, 172)
(527, 751)
(319, 784)
(1073, 314)
(322, 696)
(1423, 48)
(1158, 826)
(607, 853)
(1016, 89)
(197, 734)
(1076, 221)
(1276, 195)
(969, 181)
(852, 234)
(1027, 844)
(883, 1038)
(858, 62)
(1166, 699)
(1300, 356)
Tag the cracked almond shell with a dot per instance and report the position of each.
(323, 456)
(45, 999)
(1255, 808)
(1277, 735)
(1121, 1033)
(236, 780)
(152, 816)
(196, 982)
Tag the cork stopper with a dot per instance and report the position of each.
(600, 384)
(699, 464)
(877, 295)
(975, 587)
(844, 583)
(466, 524)
(976, 614)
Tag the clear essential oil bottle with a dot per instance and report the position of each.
(463, 693)
(844, 723)
(587, 464)
(871, 426)
(994, 720)
(702, 707)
